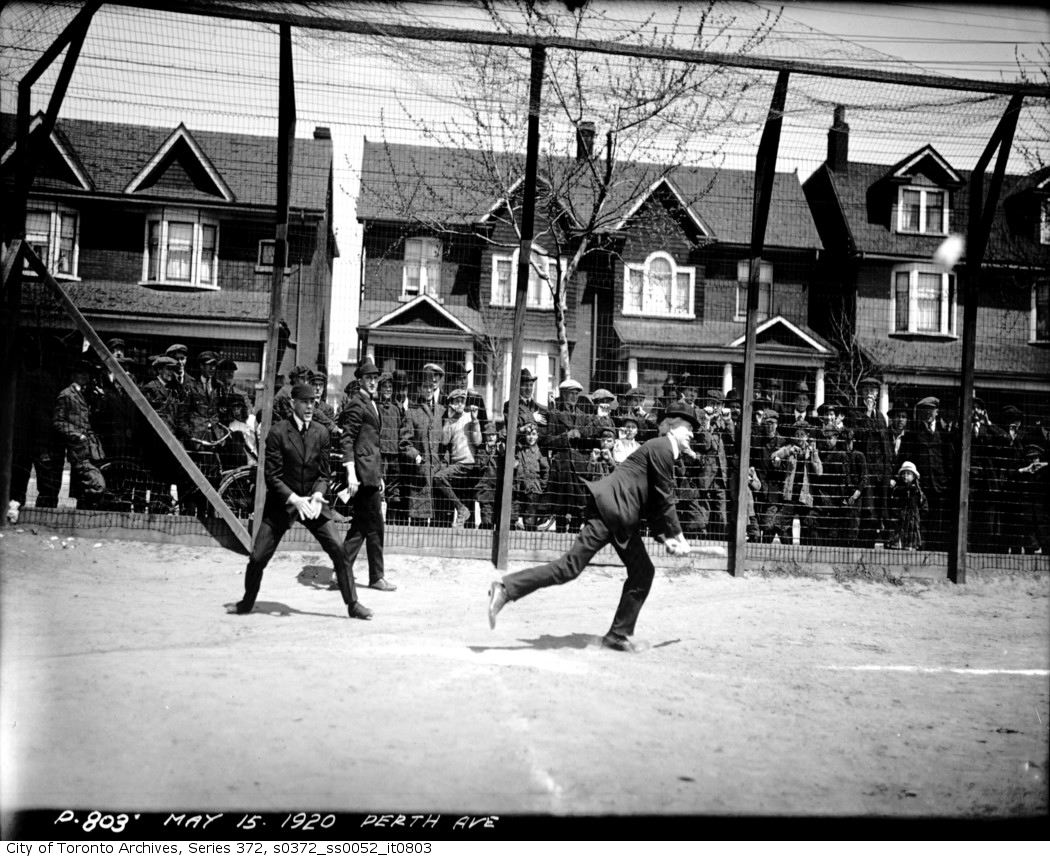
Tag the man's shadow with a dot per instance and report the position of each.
(567, 641)
(316, 576)
(280, 611)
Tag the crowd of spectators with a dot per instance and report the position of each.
(839, 474)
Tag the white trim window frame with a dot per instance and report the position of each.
(659, 287)
(918, 213)
(765, 289)
(505, 279)
(421, 268)
(924, 301)
(181, 249)
(264, 259)
(53, 232)
(1039, 324)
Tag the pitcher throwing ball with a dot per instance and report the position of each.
(642, 486)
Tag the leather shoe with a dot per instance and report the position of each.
(383, 585)
(497, 599)
(619, 644)
(239, 609)
(357, 610)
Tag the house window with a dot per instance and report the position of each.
(53, 234)
(421, 274)
(1040, 329)
(542, 273)
(658, 287)
(765, 289)
(182, 249)
(1044, 222)
(264, 262)
(923, 301)
(922, 211)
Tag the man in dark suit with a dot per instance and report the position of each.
(73, 422)
(297, 473)
(642, 486)
(362, 456)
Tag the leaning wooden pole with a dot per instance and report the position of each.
(765, 174)
(982, 212)
(501, 533)
(285, 152)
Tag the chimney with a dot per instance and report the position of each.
(838, 142)
(585, 141)
(322, 132)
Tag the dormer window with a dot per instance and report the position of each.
(543, 272)
(182, 249)
(922, 211)
(659, 287)
(52, 233)
(421, 273)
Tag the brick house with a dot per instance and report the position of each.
(661, 293)
(164, 234)
(881, 226)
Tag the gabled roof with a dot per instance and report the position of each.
(181, 147)
(925, 160)
(411, 183)
(421, 313)
(71, 171)
(113, 154)
(689, 209)
(852, 209)
(778, 334)
(778, 330)
(421, 307)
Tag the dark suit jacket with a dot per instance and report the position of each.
(296, 464)
(72, 419)
(360, 423)
(641, 486)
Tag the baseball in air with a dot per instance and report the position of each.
(950, 251)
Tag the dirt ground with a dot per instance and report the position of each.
(126, 686)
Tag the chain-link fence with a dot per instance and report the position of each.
(152, 207)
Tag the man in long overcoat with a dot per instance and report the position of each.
(421, 445)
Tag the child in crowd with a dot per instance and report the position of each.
(908, 504)
(602, 459)
(531, 472)
(627, 440)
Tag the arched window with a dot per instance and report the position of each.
(659, 287)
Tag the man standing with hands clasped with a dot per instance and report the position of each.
(363, 459)
(642, 486)
(297, 472)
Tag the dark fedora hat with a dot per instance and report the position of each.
(683, 412)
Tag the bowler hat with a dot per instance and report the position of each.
(176, 348)
(303, 392)
(682, 412)
(366, 368)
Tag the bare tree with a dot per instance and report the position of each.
(658, 117)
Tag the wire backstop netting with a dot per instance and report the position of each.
(153, 208)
